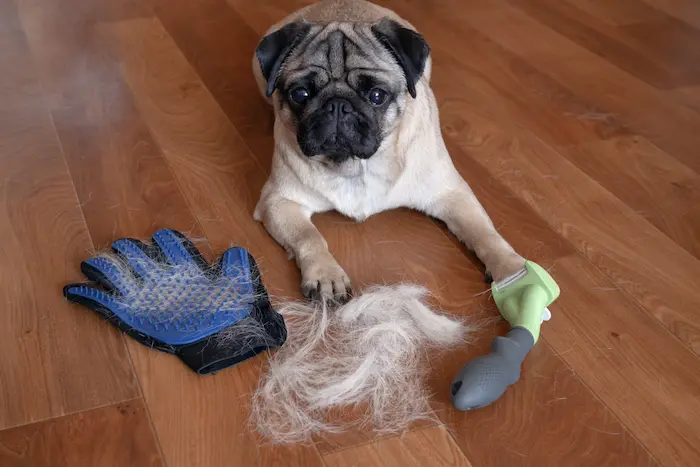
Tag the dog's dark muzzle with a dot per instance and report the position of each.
(337, 131)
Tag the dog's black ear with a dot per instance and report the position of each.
(408, 48)
(275, 48)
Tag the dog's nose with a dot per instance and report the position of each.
(337, 106)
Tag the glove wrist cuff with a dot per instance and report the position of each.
(214, 353)
(207, 356)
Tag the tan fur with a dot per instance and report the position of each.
(412, 168)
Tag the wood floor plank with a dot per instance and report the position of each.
(118, 170)
(127, 190)
(649, 181)
(266, 13)
(629, 166)
(670, 42)
(523, 92)
(687, 96)
(606, 341)
(510, 432)
(222, 56)
(660, 52)
(113, 436)
(613, 91)
(430, 446)
(685, 10)
(617, 12)
(55, 359)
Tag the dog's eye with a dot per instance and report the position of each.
(377, 96)
(299, 95)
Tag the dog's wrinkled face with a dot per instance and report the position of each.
(342, 87)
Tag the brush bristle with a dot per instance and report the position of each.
(510, 280)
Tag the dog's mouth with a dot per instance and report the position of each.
(338, 141)
(339, 150)
(335, 155)
(335, 151)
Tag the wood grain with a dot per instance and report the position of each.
(113, 436)
(55, 358)
(516, 91)
(430, 446)
(649, 181)
(617, 12)
(219, 47)
(671, 42)
(602, 84)
(118, 170)
(219, 176)
(687, 96)
(645, 49)
(512, 431)
(684, 10)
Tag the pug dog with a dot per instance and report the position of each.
(357, 131)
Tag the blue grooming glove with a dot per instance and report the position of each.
(166, 296)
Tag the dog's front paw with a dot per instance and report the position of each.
(323, 279)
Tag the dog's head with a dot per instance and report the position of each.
(342, 87)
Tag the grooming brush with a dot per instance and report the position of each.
(522, 299)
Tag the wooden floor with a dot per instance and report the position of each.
(577, 122)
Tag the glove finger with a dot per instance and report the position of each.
(234, 263)
(110, 273)
(140, 257)
(91, 297)
(178, 249)
(110, 308)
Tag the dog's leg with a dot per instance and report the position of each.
(468, 220)
(290, 225)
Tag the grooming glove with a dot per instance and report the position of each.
(166, 296)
